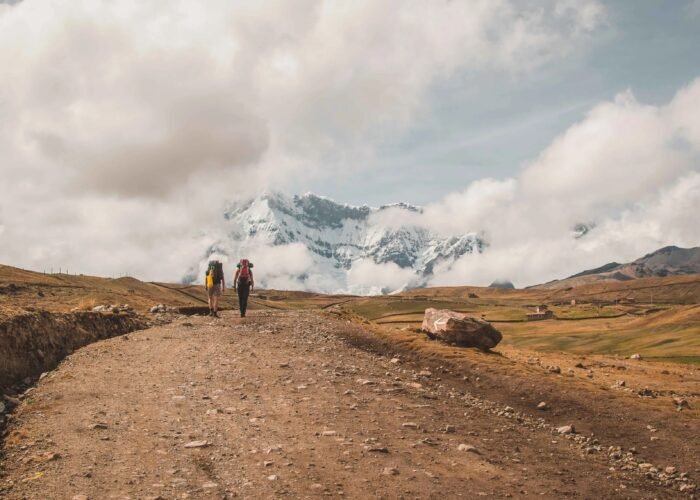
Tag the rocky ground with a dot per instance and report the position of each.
(284, 404)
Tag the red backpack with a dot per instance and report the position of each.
(244, 270)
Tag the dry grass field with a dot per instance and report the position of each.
(656, 317)
(21, 289)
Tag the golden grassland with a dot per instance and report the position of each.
(21, 289)
(611, 319)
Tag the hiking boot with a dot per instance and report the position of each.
(215, 314)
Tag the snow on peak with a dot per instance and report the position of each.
(311, 242)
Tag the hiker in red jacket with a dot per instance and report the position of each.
(243, 283)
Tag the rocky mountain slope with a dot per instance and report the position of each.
(667, 261)
(321, 241)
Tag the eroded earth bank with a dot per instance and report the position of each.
(303, 405)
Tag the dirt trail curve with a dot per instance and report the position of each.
(277, 405)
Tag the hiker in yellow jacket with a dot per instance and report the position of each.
(215, 285)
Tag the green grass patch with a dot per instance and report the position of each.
(686, 360)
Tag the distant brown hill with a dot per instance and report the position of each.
(665, 262)
(21, 289)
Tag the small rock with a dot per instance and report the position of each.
(197, 444)
(566, 429)
(329, 433)
(554, 369)
(377, 449)
(647, 393)
(450, 428)
(681, 403)
(635, 356)
(542, 406)
(395, 361)
(409, 425)
(272, 477)
(390, 471)
(670, 470)
(209, 486)
(468, 448)
(80, 497)
(620, 383)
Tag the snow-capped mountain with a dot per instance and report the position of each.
(310, 242)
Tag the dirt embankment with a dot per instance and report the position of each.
(35, 342)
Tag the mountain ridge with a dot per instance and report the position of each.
(670, 260)
(334, 240)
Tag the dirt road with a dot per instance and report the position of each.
(278, 405)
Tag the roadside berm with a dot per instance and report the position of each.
(34, 342)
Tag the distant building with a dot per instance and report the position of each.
(541, 312)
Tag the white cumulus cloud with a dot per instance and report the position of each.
(630, 171)
(125, 126)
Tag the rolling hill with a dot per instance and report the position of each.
(667, 261)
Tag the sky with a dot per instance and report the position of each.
(126, 127)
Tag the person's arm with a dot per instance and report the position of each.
(235, 279)
(206, 275)
(252, 281)
(223, 284)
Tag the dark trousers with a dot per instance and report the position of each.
(243, 292)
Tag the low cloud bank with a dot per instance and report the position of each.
(630, 172)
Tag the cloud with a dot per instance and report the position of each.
(125, 126)
(134, 98)
(628, 169)
(693, 8)
(366, 277)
